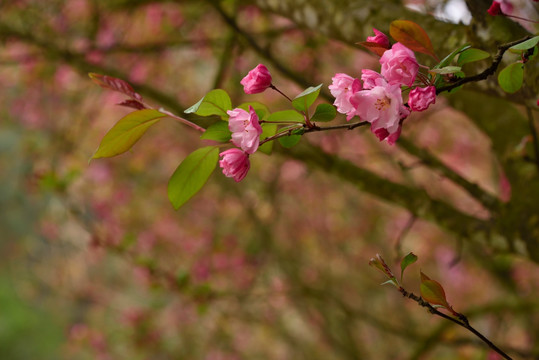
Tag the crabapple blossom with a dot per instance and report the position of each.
(382, 106)
(343, 87)
(245, 129)
(235, 164)
(257, 80)
(380, 38)
(399, 65)
(420, 98)
(371, 78)
(500, 7)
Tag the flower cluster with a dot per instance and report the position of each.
(379, 99)
(245, 127)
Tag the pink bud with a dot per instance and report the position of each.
(235, 164)
(380, 38)
(494, 9)
(500, 7)
(420, 98)
(257, 80)
(399, 65)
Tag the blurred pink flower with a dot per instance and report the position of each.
(257, 80)
(235, 164)
(380, 38)
(399, 65)
(500, 7)
(420, 98)
(245, 129)
(343, 87)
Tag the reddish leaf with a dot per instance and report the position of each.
(373, 47)
(132, 104)
(115, 84)
(412, 36)
(433, 292)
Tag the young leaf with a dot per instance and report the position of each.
(528, 44)
(324, 113)
(411, 35)
(126, 132)
(446, 70)
(216, 102)
(267, 131)
(306, 98)
(191, 175)
(217, 132)
(134, 104)
(511, 78)
(372, 46)
(112, 83)
(472, 55)
(406, 261)
(286, 115)
(447, 60)
(433, 292)
(289, 141)
(392, 281)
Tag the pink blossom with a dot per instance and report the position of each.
(235, 164)
(371, 78)
(500, 7)
(257, 80)
(399, 65)
(343, 87)
(380, 38)
(381, 106)
(245, 129)
(420, 98)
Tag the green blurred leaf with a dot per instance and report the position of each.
(289, 141)
(528, 44)
(446, 70)
(447, 60)
(324, 113)
(217, 132)
(126, 132)
(267, 131)
(511, 78)
(303, 101)
(191, 175)
(286, 115)
(216, 102)
(433, 292)
(472, 55)
(406, 261)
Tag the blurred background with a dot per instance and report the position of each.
(96, 264)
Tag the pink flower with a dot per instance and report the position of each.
(257, 80)
(371, 78)
(420, 98)
(235, 164)
(380, 38)
(500, 7)
(399, 65)
(343, 87)
(245, 129)
(381, 106)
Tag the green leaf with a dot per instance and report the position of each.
(511, 78)
(217, 132)
(216, 102)
(406, 261)
(411, 35)
(433, 292)
(392, 281)
(286, 115)
(447, 60)
(267, 131)
(472, 55)
(446, 70)
(261, 110)
(289, 141)
(303, 101)
(191, 175)
(126, 132)
(324, 113)
(528, 44)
